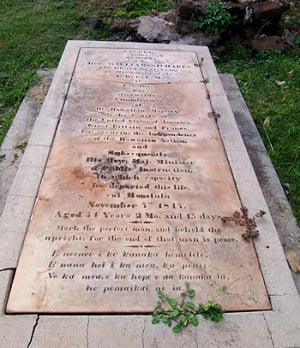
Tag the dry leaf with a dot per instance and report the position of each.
(267, 122)
(280, 83)
(291, 73)
(293, 260)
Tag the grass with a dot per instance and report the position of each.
(270, 83)
(33, 35)
(142, 7)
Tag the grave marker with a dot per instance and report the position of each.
(133, 193)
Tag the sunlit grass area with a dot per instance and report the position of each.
(33, 34)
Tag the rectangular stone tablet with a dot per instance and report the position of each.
(133, 193)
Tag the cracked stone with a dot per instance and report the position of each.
(60, 331)
(15, 331)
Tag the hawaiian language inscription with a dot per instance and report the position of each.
(133, 194)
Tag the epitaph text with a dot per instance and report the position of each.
(133, 194)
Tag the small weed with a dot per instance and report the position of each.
(21, 146)
(241, 218)
(180, 314)
(2, 157)
(205, 81)
(216, 18)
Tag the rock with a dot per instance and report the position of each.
(155, 29)
(260, 17)
(269, 42)
(187, 13)
(245, 2)
(168, 16)
(267, 10)
(91, 23)
(220, 50)
(129, 38)
(288, 37)
(185, 8)
(188, 9)
(117, 25)
(198, 39)
(266, 15)
(184, 26)
(133, 25)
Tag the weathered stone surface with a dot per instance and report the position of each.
(169, 16)
(269, 42)
(129, 332)
(273, 328)
(288, 37)
(160, 336)
(20, 131)
(267, 11)
(262, 17)
(62, 332)
(187, 9)
(155, 29)
(128, 205)
(186, 26)
(15, 331)
(282, 323)
(236, 330)
(198, 39)
(118, 24)
(13, 222)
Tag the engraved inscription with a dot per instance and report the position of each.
(133, 194)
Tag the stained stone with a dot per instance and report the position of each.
(133, 193)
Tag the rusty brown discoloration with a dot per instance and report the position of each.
(133, 194)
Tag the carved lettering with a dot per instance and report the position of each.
(133, 193)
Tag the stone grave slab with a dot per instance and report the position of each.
(133, 193)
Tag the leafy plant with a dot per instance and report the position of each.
(205, 81)
(179, 314)
(216, 18)
(241, 217)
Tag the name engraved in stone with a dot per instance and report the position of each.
(133, 194)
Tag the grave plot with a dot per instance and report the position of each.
(133, 194)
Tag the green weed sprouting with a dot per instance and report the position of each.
(21, 146)
(179, 314)
(216, 18)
